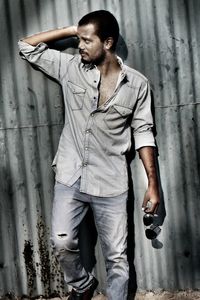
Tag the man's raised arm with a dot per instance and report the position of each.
(51, 35)
(45, 59)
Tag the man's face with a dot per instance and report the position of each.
(91, 48)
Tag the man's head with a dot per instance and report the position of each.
(106, 25)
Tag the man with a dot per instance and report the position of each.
(103, 100)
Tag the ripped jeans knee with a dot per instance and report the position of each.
(67, 253)
(64, 245)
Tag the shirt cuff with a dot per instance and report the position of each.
(144, 139)
(26, 48)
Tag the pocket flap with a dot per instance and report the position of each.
(123, 111)
(76, 89)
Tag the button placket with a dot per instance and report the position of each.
(88, 132)
(94, 102)
(86, 149)
(89, 129)
(95, 97)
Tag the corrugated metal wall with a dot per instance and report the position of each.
(162, 40)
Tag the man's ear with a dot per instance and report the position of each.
(108, 43)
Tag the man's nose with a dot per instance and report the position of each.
(81, 45)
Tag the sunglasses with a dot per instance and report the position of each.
(153, 231)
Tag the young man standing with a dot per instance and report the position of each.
(103, 99)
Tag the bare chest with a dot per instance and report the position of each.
(107, 88)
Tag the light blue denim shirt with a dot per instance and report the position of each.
(95, 139)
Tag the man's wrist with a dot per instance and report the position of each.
(69, 30)
(74, 29)
(153, 181)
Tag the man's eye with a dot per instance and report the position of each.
(87, 41)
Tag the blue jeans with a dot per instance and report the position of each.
(110, 215)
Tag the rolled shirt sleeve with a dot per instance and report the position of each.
(142, 122)
(45, 59)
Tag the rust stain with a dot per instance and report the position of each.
(50, 271)
(30, 266)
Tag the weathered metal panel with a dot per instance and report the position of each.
(160, 39)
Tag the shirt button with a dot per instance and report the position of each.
(86, 148)
(92, 115)
(84, 164)
(95, 81)
(88, 130)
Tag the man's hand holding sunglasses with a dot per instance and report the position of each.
(151, 200)
(150, 207)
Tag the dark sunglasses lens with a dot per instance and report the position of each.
(148, 219)
(150, 234)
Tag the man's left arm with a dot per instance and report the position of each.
(142, 125)
(148, 157)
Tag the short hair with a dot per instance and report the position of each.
(105, 23)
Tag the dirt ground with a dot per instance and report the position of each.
(184, 295)
(189, 295)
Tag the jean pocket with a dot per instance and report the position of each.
(76, 95)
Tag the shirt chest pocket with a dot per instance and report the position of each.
(117, 116)
(76, 95)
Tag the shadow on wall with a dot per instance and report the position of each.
(161, 209)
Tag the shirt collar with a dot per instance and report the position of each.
(123, 68)
(91, 66)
